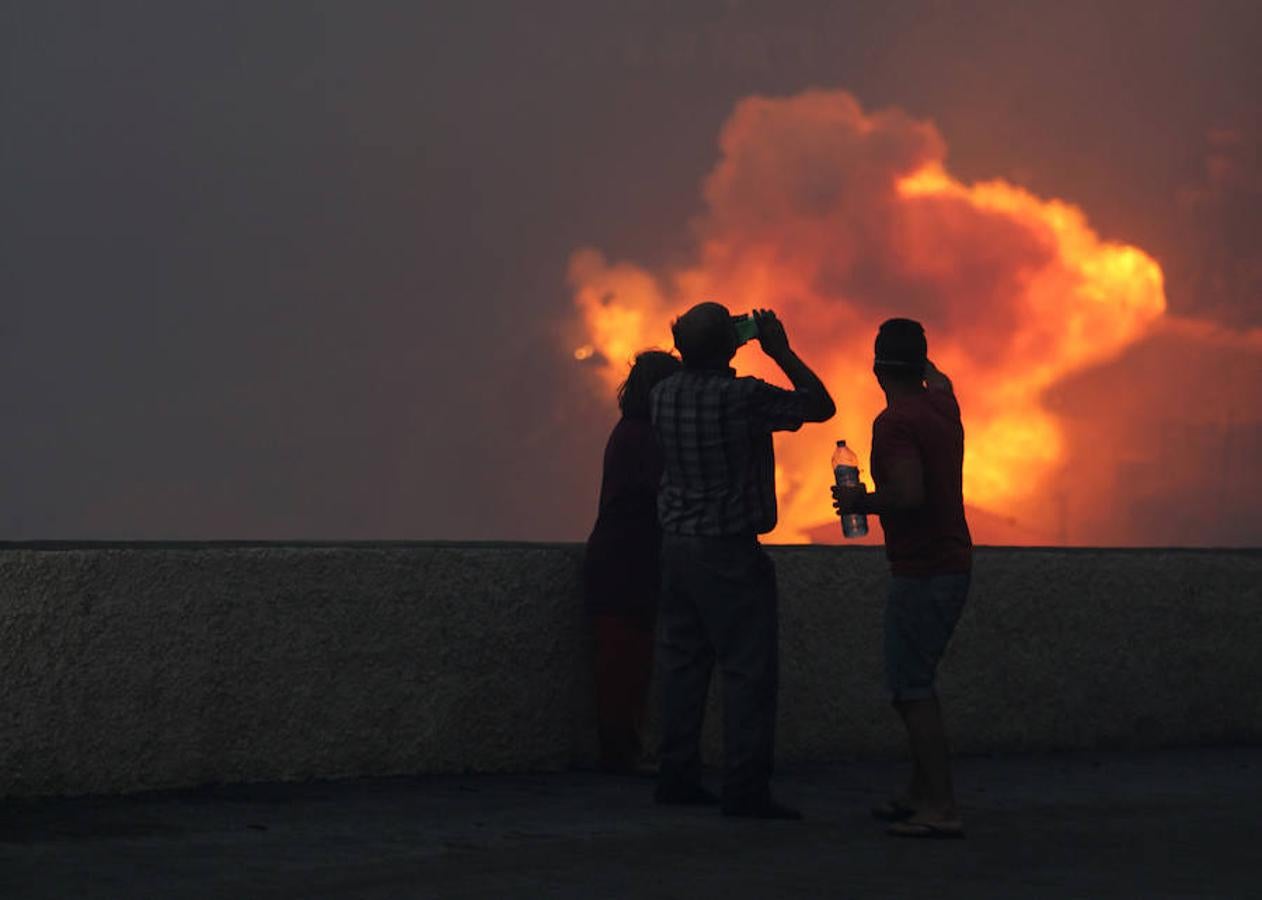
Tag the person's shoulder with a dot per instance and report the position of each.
(897, 420)
(669, 383)
(765, 395)
(754, 385)
(887, 417)
(664, 392)
(624, 432)
(925, 403)
(942, 403)
(631, 427)
(631, 438)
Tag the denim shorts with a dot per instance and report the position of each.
(920, 617)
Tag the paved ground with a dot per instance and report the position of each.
(1167, 824)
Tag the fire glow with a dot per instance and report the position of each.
(838, 218)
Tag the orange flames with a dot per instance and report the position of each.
(838, 219)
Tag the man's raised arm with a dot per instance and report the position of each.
(775, 343)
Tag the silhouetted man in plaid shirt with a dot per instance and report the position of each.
(718, 596)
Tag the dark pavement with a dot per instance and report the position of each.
(1174, 823)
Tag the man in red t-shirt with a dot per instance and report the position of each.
(917, 465)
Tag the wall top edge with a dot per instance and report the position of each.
(78, 545)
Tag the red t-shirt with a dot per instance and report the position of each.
(932, 539)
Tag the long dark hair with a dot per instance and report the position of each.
(649, 368)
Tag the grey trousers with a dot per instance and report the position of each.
(718, 601)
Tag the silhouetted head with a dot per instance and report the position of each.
(649, 368)
(705, 336)
(901, 351)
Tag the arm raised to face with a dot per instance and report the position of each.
(774, 341)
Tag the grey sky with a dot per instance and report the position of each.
(295, 270)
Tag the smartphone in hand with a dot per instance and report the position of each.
(746, 328)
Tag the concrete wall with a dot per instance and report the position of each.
(126, 667)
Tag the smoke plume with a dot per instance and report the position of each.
(1091, 415)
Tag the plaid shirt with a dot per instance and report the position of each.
(715, 433)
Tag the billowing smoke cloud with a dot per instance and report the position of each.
(839, 218)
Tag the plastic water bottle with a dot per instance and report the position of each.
(846, 474)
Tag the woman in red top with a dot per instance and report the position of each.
(620, 570)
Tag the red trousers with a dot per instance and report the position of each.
(624, 666)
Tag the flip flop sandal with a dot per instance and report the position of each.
(929, 830)
(892, 811)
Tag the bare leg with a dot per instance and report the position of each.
(931, 793)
